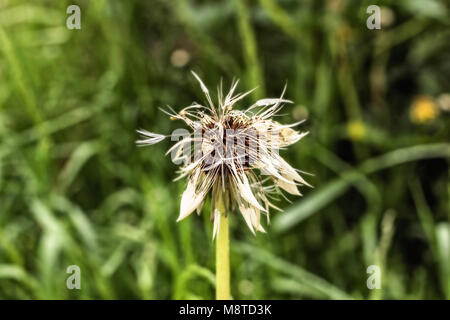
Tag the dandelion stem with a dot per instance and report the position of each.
(222, 255)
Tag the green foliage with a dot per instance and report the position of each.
(75, 190)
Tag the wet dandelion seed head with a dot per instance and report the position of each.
(235, 158)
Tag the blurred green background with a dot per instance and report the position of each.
(75, 190)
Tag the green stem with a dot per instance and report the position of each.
(222, 256)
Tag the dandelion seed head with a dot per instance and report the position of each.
(235, 156)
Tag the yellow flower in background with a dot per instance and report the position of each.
(356, 130)
(423, 110)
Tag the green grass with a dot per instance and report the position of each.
(75, 190)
